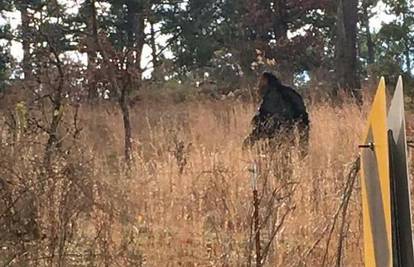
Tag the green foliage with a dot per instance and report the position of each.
(222, 38)
(395, 40)
(197, 28)
(6, 5)
(119, 23)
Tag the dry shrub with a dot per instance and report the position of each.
(188, 200)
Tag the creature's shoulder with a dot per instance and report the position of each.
(292, 95)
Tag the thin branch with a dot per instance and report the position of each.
(169, 43)
(274, 233)
(347, 196)
(347, 192)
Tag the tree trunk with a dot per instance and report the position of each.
(122, 93)
(155, 71)
(91, 51)
(370, 43)
(345, 47)
(92, 88)
(136, 34)
(27, 68)
(53, 140)
(407, 58)
(280, 28)
(407, 49)
(123, 102)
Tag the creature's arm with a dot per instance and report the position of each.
(254, 135)
(294, 98)
(297, 103)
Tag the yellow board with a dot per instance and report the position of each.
(375, 183)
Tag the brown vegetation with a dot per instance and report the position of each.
(187, 201)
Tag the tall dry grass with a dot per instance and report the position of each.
(201, 215)
(188, 201)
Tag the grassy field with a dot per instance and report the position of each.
(188, 200)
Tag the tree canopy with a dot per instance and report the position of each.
(229, 41)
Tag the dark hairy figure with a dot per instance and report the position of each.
(281, 111)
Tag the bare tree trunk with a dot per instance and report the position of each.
(53, 139)
(122, 92)
(407, 58)
(27, 68)
(92, 88)
(370, 43)
(280, 28)
(346, 47)
(136, 34)
(136, 40)
(91, 43)
(407, 49)
(257, 228)
(50, 152)
(154, 52)
(123, 102)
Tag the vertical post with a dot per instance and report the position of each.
(375, 186)
(400, 183)
(256, 216)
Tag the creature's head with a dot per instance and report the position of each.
(267, 81)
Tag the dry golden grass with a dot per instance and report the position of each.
(188, 200)
(202, 216)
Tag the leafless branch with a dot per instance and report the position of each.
(275, 231)
(342, 210)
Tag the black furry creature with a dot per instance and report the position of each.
(281, 112)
